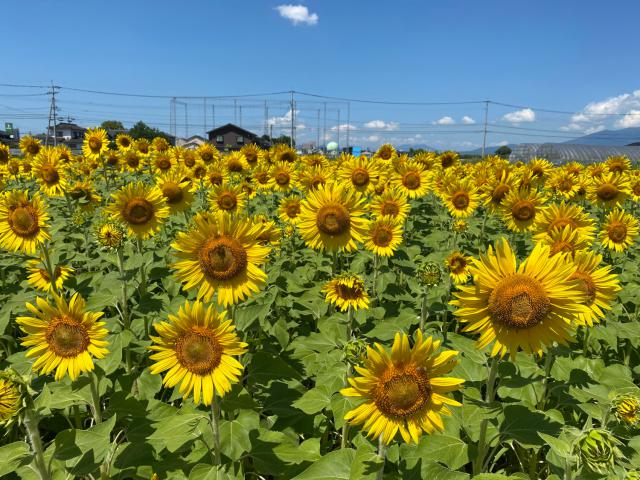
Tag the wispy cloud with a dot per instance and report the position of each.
(526, 115)
(343, 126)
(297, 14)
(382, 125)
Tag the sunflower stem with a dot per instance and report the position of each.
(490, 393)
(49, 267)
(376, 264)
(344, 439)
(548, 362)
(382, 455)
(424, 313)
(585, 341)
(96, 410)
(215, 428)
(143, 273)
(31, 425)
(125, 305)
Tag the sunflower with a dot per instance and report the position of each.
(598, 284)
(634, 186)
(208, 153)
(268, 231)
(39, 277)
(132, 160)
(48, 171)
(289, 210)
(596, 170)
(384, 236)
(311, 178)
(261, 176)
(610, 190)
(85, 194)
(332, 218)
(23, 221)
(618, 231)
(520, 208)
(160, 144)
(177, 192)
(221, 254)
(282, 176)
(143, 146)
(124, 142)
(563, 184)
(227, 198)
(252, 154)
(235, 162)
(618, 164)
(459, 226)
(140, 207)
(386, 152)
(197, 347)
(391, 203)
(448, 159)
(460, 197)
(565, 240)
(198, 171)
(346, 291)
(411, 179)
(10, 400)
(458, 265)
(95, 143)
(361, 173)
(112, 159)
(540, 168)
(404, 391)
(5, 154)
(283, 153)
(496, 190)
(559, 215)
(64, 336)
(627, 409)
(526, 308)
(316, 160)
(162, 161)
(30, 146)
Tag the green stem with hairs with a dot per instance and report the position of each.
(96, 409)
(488, 399)
(345, 425)
(215, 428)
(424, 312)
(548, 362)
(126, 320)
(49, 267)
(143, 272)
(31, 425)
(382, 455)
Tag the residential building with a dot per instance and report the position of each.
(231, 137)
(68, 134)
(190, 143)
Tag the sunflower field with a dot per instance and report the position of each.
(190, 314)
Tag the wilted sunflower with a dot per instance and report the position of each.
(560, 215)
(520, 208)
(361, 173)
(405, 391)
(227, 198)
(40, 279)
(618, 231)
(289, 210)
(96, 143)
(528, 307)
(197, 347)
(23, 221)
(124, 141)
(30, 146)
(332, 218)
(598, 284)
(177, 191)
(282, 176)
(140, 207)
(221, 254)
(391, 203)
(384, 236)
(458, 265)
(10, 399)
(63, 336)
(346, 291)
(610, 190)
(460, 197)
(411, 179)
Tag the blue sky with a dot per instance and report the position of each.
(575, 56)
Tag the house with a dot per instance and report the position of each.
(68, 134)
(231, 137)
(190, 143)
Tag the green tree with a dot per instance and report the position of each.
(142, 130)
(112, 125)
(503, 151)
(285, 139)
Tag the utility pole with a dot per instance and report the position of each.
(348, 122)
(213, 116)
(235, 110)
(338, 131)
(53, 110)
(292, 119)
(271, 133)
(318, 130)
(266, 117)
(484, 134)
(204, 111)
(173, 122)
(240, 114)
(324, 130)
(186, 120)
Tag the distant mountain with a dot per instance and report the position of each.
(416, 146)
(612, 138)
(489, 149)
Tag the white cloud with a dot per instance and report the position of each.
(382, 125)
(373, 138)
(281, 121)
(445, 121)
(631, 120)
(343, 127)
(467, 120)
(297, 14)
(503, 143)
(625, 109)
(584, 129)
(525, 115)
(301, 126)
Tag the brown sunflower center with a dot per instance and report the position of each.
(457, 264)
(411, 180)
(189, 161)
(446, 161)
(227, 201)
(163, 163)
(222, 258)
(24, 221)
(206, 156)
(45, 275)
(199, 171)
(636, 189)
(537, 171)
(390, 208)
(293, 210)
(402, 392)
(215, 178)
(346, 292)
(316, 181)
(235, 166)
(360, 177)
(33, 148)
(499, 193)
(133, 161)
(561, 222)
(460, 200)
(385, 153)
(587, 285)
(333, 219)
(565, 185)
(519, 301)
(198, 352)
(617, 232)
(172, 192)
(261, 177)
(282, 178)
(67, 337)
(607, 191)
(523, 210)
(382, 236)
(563, 246)
(125, 142)
(95, 144)
(4, 155)
(50, 175)
(137, 211)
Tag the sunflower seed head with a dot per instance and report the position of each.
(429, 274)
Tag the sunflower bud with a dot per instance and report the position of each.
(632, 475)
(10, 398)
(459, 226)
(110, 235)
(355, 350)
(597, 450)
(429, 274)
(79, 218)
(627, 409)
